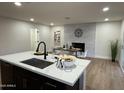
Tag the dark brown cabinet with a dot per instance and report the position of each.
(24, 79)
(7, 76)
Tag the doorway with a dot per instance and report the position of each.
(34, 38)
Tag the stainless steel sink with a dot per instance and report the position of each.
(37, 63)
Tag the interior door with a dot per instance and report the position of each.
(34, 38)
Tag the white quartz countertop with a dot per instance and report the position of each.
(66, 77)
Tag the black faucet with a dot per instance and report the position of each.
(45, 53)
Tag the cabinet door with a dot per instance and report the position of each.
(27, 80)
(21, 82)
(51, 84)
(34, 84)
(7, 76)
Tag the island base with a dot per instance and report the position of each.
(17, 78)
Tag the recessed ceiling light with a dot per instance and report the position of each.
(32, 19)
(18, 3)
(105, 9)
(52, 24)
(106, 19)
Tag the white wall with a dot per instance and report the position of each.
(122, 34)
(14, 36)
(105, 32)
(97, 37)
(122, 46)
(45, 35)
(88, 36)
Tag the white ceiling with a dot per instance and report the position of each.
(46, 12)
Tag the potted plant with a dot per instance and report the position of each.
(114, 50)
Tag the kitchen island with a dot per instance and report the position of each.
(23, 76)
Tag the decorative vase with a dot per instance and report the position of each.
(113, 60)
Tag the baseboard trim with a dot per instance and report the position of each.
(100, 59)
(121, 68)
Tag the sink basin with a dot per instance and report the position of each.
(37, 63)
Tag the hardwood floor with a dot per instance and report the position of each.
(104, 75)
